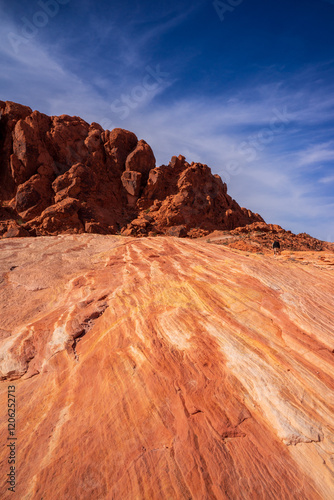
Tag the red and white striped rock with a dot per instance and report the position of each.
(166, 368)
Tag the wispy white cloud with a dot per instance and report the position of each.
(34, 77)
(328, 179)
(317, 153)
(173, 16)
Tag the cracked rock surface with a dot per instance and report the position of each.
(164, 368)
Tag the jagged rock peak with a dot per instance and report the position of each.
(60, 174)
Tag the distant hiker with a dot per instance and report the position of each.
(276, 247)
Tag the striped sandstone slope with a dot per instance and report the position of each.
(163, 368)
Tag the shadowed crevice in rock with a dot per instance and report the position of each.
(86, 325)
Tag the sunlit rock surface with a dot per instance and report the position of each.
(61, 175)
(163, 368)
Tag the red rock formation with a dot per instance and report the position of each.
(107, 180)
(164, 368)
(190, 199)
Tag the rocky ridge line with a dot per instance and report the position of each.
(59, 174)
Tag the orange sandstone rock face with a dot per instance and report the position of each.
(166, 368)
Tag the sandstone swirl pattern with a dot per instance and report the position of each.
(161, 368)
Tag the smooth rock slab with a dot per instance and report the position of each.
(161, 368)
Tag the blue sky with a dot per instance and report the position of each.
(245, 86)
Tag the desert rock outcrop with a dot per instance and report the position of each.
(47, 162)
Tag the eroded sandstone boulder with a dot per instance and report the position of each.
(188, 195)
